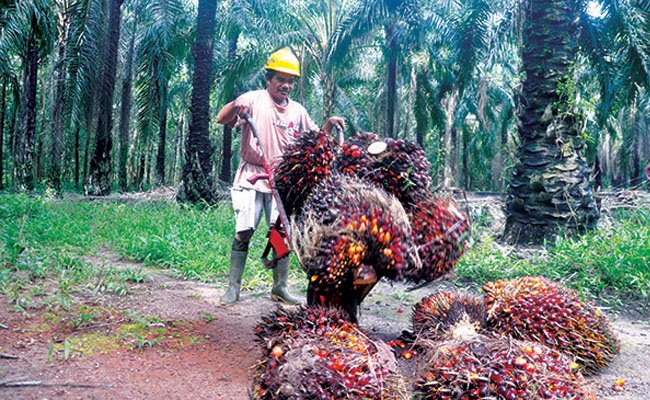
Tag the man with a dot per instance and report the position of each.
(278, 120)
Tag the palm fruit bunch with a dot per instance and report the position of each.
(314, 353)
(353, 159)
(304, 163)
(538, 309)
(350, 235)
(398, 166)
(440, 232)
(484, 367)
(364, 226)
(435, 315)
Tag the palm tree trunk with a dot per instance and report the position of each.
(100, 164)
(58, 120)
(449, 172)
(226, 171)
(24, 146)
(125, 109)
(197, 182)
(329, 94)
(3, 105)
(391, 84)
(550, 191)
(162, 135)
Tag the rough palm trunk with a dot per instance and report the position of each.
(162, 135)
(329, 94)
(24, 146)
(449, 171)
(3, 104)
(125, 110)
(391, 84)
(100, 164)
(226, 171)
(550, 191)
(58, 120)
(197, 182)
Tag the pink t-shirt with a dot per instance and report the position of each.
(276, 125)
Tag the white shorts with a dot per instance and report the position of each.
(249, 204)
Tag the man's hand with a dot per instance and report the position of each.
(337, 123)
(230, 112)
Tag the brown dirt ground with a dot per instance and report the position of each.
(207, 351)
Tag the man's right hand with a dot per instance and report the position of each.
(232, 113)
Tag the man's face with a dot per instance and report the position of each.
(280, 86)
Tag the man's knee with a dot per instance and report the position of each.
(243, 237)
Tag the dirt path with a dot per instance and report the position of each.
(170, 339)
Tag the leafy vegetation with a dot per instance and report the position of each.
(43, 242)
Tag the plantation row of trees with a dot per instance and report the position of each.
(547, 99)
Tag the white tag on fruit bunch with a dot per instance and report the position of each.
(377, 148)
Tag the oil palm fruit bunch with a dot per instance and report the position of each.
(398, 166)
(304, 163)
(540, 310)
(350, 235)
(435, 315)
(440, 233)
(353, 158)
(486, 367)
(314, 353)
(403, 170)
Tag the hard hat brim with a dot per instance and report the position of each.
(283, 70)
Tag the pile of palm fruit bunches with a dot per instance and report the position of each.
(363, 211)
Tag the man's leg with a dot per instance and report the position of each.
(243, 201)
(238, 253)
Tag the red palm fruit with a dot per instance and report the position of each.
(440, 232)
(538, 309)
(434, 316)
(323, 357)
(305, 162)
(472, 366)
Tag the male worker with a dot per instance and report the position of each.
(278, 120)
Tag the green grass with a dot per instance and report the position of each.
(610, 265)
(42, 240)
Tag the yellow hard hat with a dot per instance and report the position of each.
(285, 61)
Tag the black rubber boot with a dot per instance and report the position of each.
(237, 263)
(280, 291)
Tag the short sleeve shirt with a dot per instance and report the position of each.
(277, 126)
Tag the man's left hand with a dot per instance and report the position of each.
(337, 123)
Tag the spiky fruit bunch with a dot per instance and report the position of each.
(538, 309)
(483, 367)
(350, 235)
(440, 232)
(304, 163)
(353, 226)
(353, 159)
(402, 169)
(313, 353)
(435, 315)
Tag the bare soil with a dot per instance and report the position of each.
(193, 348)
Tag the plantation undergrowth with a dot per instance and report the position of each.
(42, 241)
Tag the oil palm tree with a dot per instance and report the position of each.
(100, 164)
(27, 34)
(197, 183)
(550, 189)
